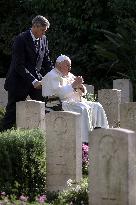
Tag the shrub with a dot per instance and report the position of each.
(119, 50)
(23, 171)
(22, 162)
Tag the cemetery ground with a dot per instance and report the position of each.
(112, 154)
(23, 171)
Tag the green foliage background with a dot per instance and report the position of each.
(74, 31)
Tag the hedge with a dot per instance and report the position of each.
(22, 162)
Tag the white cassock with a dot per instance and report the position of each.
(92, 113)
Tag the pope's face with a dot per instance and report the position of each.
(65, 67)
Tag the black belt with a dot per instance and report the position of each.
(57, 107)
(51, 99)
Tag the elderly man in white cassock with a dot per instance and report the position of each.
(61, 85)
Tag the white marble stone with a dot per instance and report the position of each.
(128, 115)
(112, 170)
(30, 114)
(110, 100)
(90, 88)
(125, 85)
(3, 93)
(64, 149)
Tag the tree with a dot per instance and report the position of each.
(120, 51)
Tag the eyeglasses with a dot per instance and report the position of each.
(68, 65)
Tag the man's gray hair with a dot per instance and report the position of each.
(40, 21)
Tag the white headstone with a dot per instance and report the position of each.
(30, 114)
(126, 88)
(112, 171)
(128, 115)
(3, 93)
(64, 149)
(90, 88)
(110, 100)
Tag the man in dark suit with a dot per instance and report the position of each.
(30, 61)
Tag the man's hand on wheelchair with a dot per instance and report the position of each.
(38, 85)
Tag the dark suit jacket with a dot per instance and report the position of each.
(24, 57)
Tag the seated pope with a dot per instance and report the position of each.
(64, 90)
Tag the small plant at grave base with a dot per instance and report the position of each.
(41, 199)
(75, 194)
(90, 97)
(85, 159)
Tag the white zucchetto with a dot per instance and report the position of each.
(62, 58)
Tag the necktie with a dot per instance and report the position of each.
(36, 43)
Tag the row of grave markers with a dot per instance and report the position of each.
(124, 85)
(112, 154)
(31, 114)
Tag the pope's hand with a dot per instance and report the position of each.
(37, 85)
(77, 82)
